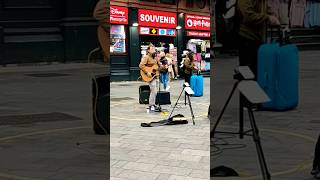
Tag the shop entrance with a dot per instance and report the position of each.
(201, 47)
(159, 42)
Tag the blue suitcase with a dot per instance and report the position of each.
(278, 75)
(196, 84)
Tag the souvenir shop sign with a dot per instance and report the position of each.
(118, 15)
(157, 31)
(157, 19)
(196, 22)
(198, 34)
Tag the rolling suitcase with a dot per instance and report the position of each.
(144, 93)
(278, 74)
(163, 98)
(196, 84)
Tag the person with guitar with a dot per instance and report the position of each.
(149, 70)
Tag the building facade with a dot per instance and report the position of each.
(46, 30)
(178, 24)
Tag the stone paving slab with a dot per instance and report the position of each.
(160, 153)
(288, 138)
(50, 150)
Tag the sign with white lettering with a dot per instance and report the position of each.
(196, 22)
(118, 15)
(157, 19)
(157, 32)
(198, 34)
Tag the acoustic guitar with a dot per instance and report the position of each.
(153, 70)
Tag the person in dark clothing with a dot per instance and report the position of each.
(253, 25)
(253, 16)
(316, 161)
(189, 66)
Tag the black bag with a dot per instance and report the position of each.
(169, 121)
(101, 104)
(163, 98)
(144, 93)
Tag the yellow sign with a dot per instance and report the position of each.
(154, 31)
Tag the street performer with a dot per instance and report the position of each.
(150, 61)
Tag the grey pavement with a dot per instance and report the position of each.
(46, 125)
(158, 153)
(288, 138)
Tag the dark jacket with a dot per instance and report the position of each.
(189, 66)
(254, 16)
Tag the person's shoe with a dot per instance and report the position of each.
(314, 172)
(157, 109)
(152, 108)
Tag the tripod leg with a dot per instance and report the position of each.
(176, 104)
(263, 165)
(185, 99)
(241, 122)
(223, 109)
(191, 110)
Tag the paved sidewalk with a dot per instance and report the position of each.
(158, 153)
(288, 138)
(46, 125)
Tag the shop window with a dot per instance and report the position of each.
(118, 39)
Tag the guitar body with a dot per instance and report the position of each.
(153, 70)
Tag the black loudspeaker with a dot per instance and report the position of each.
(101, 104)
(144, 93)
(163, 98)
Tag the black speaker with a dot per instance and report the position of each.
(144, 93)
(101, 104)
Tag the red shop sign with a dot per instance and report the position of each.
(118, 15)
(198, 34)
(196, 22)
(157, 19)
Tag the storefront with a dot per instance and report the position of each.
(134, 28)
(119, 32)
(158, 28)
(198, 39)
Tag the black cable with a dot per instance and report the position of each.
(220, 144)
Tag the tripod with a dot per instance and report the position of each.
(158, 98)
(187, 94)
(248, 100)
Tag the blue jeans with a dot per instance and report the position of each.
(164, 78)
